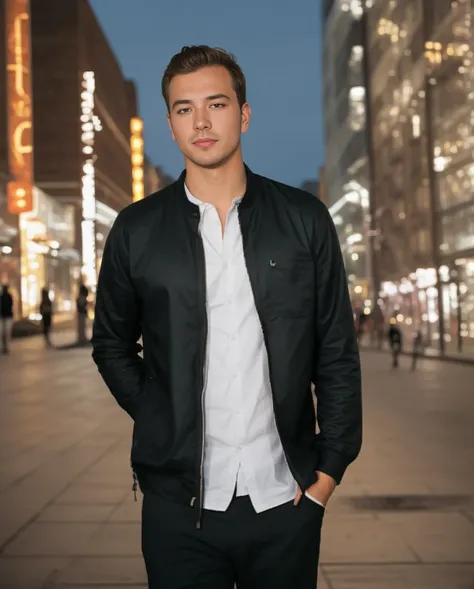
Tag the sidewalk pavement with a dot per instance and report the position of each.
(403, 518)
(451, 353)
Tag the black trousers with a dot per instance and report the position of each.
(278, 548)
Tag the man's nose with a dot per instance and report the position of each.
(201, 122)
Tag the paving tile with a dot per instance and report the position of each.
(95, 494)
(401, 576)
(116, 539)
(25, 500)
(101, 441)
(23, 465)
(128, 511)
(436, 537)
(76, 513)
(123, 482)
(469, 515)
(104, 570)
(457, 483)
(397, 488)
(27, 572)
(322, 582)
(52, 539)
(363, 541)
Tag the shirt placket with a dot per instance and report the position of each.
(230, 280)
(232, 245)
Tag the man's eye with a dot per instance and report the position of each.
(183, 110)
(217, 105)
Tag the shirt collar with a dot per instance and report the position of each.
(200, 203)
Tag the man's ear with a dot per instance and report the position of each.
(246, 113)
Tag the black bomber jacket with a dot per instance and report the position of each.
(152, 286)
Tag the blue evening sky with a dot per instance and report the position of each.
(278, 45)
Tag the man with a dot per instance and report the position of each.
(6, 317)
(237, 287)
(395, 341)
(82, 312)
(417, 348)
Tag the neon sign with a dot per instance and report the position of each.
(20, 132)
(90, 125)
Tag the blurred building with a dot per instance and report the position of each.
(323, 193)
(311, 186)
(164, 178)
(62, 86)
(346, 170)
(422, 105)
(151, 177)
(82, 107)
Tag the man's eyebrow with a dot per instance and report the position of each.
(208, 98)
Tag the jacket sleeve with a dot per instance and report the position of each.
(117, 323)
(337, 373)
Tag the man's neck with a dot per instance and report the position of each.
(218, 186)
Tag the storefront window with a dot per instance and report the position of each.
(466, 294)
(457, 187)
(458, 305)
(48, 259)
(457, 230)
(453, 104)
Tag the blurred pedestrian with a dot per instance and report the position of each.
(6, 317)
(395, 340)
(234, 476)
(46, 312)
(417, 348)
(82, 313)
(379, 326)
(361, 325)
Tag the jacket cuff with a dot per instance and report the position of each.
(332, 463)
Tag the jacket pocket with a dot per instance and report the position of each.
(290, 286)
(142, 399)
(314, 502)
(151, 430)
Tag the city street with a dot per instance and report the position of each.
(402, 519)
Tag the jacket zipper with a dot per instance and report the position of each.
(201, 463)
(201, 467)
(135, 482)
(202, 374)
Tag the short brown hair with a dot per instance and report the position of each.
(191, 59)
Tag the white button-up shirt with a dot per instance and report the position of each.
(242, 447)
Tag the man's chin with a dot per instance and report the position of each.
(211, 162)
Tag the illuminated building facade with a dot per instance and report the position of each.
(422, 104)
(9, 248)
(69, 124)
(82, 136)
(346, 171)
(34, 236)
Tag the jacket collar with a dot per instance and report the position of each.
(247, 201)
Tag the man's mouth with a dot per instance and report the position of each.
(203, 143)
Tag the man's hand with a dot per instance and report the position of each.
(322, 489)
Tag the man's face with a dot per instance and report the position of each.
(205, 118)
